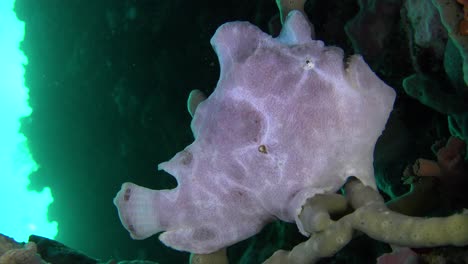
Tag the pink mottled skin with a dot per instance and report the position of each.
(288, 119)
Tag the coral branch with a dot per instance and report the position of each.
(374, 219)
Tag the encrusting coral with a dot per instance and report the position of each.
(450, 170)
(372, 217)
(12, 252)
(217, 257)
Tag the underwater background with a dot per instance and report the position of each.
(108, 83)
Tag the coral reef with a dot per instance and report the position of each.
(450, 12)
(12, 252)
(414, 46)
(361, 208)
(445, 179)
(41, 250)
(271, 142)
(450, 169)
(380, 19)
(372, 217)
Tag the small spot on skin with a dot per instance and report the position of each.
(262, 149)
(127, 195)
(203, 234)
(237, 177)
(187, 157)
(131, 228)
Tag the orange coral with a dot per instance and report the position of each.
(451, 168)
